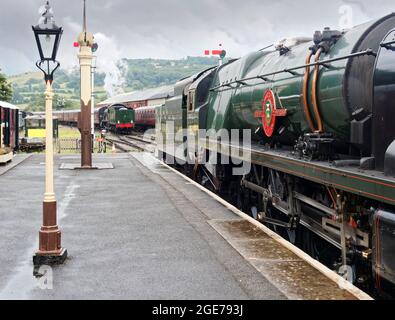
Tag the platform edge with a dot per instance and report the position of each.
(358, 293)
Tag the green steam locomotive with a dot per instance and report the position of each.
(322, 160)
(118, 118)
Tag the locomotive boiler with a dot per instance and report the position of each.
(333, 93)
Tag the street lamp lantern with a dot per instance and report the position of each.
(47, 35)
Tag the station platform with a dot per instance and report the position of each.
(141, 231)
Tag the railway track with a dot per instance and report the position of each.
(147, 138)
(131, 143)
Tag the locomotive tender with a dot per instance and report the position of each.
(323, 158)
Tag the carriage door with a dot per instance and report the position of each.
(1, 127)
(16, 130)
(6, 128)
(12, 128)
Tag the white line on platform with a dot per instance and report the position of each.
(23, 281)
(68, 196)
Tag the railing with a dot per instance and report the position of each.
(73, 145)
(68, 145)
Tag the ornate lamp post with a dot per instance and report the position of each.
(48, 35)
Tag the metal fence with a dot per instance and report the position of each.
(65, 145)
(73, 145)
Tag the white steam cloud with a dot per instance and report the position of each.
(109, 61)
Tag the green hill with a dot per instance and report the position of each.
(136, 74)
(148, 73)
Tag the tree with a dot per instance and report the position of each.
(17, 97)
(61, 102)
(37, 102)
(5, 89)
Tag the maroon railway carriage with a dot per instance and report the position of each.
(9, 125)
(145, 117)
(67, 117)
(70, 117)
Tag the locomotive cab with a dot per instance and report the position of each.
(197, 98)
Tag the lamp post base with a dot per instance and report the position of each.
(95, 166)
(50, 258)
(87, 167)
(50, 250)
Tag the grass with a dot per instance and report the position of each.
(66, 132)
(69, 132)
(21, 79)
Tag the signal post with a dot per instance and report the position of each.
(85, 41)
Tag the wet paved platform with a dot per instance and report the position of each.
(139, 231)
(19, 158)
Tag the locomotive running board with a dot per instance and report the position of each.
(368, 183)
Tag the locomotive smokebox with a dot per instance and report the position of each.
(383, 134)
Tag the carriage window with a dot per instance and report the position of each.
(35, 123)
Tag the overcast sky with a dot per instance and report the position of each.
(173, 28)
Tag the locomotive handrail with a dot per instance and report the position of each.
(267, 47)
(386, 44)
(291, 72)
(324, 63)
(264, 78)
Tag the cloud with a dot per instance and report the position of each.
(171, 28)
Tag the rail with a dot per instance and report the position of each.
(131, 142)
